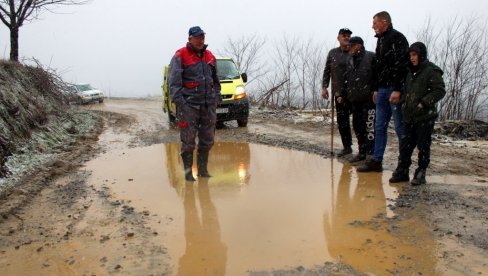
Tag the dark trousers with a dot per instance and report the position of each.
(416, 135)
(197, 119)
(343, 113)
(363, 118)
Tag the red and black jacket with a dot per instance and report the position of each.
(193, 77)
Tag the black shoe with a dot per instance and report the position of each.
(345, 152)
(419, 178)
(371, 165)
(357, 158)
(399, 175)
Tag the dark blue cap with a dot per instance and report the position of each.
(195, 31)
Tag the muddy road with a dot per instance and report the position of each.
(277, 204)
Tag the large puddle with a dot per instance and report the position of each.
(266, 208)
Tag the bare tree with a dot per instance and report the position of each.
(14, 13)
(285, 64)
(308, 66)
(301, 67)
(459, 49)
(246, 52)
(274, 86)
(316, 67)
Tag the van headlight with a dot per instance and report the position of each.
(240, 92)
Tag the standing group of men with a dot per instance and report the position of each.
(396, 81)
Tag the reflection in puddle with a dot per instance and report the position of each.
(266, 208)
(205, 253)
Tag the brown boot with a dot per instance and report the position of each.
(371, 165)
(399, 175)
(357, 158)
(418, 178)
(344, 152)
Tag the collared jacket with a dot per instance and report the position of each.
(424, 85)
(391, 59)
(335, 69)
(360, 79)
(193, 78)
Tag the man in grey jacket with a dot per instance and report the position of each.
(195, 90)
(335, 72)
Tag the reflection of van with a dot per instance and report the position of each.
(228, 164)
(235, 103)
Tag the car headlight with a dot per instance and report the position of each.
(240, 92)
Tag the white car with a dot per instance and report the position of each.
(88, 94)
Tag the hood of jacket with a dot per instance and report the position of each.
(420, 49)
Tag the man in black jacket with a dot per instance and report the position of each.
(360, 83)
(424, 87)
(335, 72)
(391, 70)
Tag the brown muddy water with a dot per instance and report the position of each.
(265, 208)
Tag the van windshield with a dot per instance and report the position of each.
(227, 70)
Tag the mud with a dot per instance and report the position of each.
(105, 219)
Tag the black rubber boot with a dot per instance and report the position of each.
(358, 158)
(188, 163)
(418, 178)
(344, 152)
(371, 165)
(399, 175)
(202, 161)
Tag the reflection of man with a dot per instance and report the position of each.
(356, 233)
(345, 227)
(205, 252)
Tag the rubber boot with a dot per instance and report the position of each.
(419, 177)
(202, 161)
(344, 152)
(188, 163)
(399, 175)
(371, 165)
(358, 158)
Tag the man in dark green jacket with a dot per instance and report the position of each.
(424, 87)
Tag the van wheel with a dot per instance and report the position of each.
(171, 119)
(219, 125)
(242, 123)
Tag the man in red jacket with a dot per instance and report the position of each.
(195, 90)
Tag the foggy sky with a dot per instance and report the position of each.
(121, 47)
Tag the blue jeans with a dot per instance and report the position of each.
(384, 111)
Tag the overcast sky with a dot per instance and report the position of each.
(120, 46)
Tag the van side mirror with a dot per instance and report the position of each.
(244, 77)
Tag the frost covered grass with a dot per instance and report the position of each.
(37, 124)
(47, 144)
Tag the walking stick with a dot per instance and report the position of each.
(332, 127)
